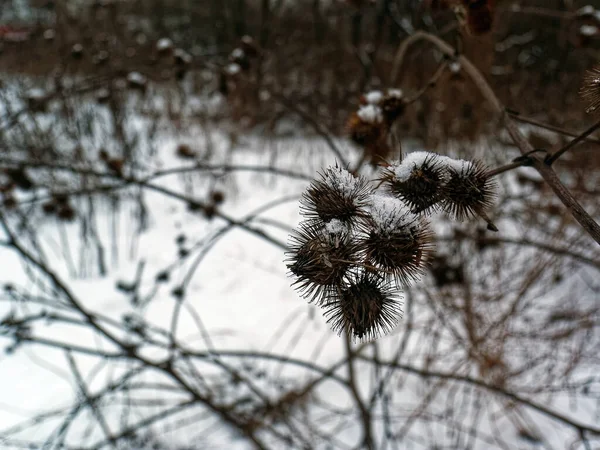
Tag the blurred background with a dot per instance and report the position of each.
(152, 158)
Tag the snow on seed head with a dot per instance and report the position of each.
(460, 166)
(389, 213)
(233, 69)
(404, 170)
(588, 30)
(336, 195)
(335, 227)
(237, 53)
(586, 10)
(418, 181)
(398, 242)
(373, 97)
(370, 114)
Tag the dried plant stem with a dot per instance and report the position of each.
(490, 224)
(537, 161)
(352, 384)
(508, 167)
(518, 117)
(557, 154)
(431, 83)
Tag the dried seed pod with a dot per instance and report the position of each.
(115, 165)
(249, 46)
(238, 56)
(445, 274)
(66, 212)
(49, 207)
(164, 46)
(135, 80)
(371, 98)
(9, 201)
(185, 151)
(469, 189)
(77, 51)
(366, 126)
(337, 195)
(366, 308)
(217, 197)
(399, 243)
(319, 259)
(20, 178)
(419, 180)
(392, 105)
(209, 211)
(590, 89)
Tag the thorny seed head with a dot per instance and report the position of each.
(319, 259)
(398, 242)
(366, 308)
(337, 195)
(419, 180)
(381, 106)
(392, 105)
(371, 98)
(366, 126)
(469, 189)
(590, 89)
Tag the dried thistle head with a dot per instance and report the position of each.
(398, 242)
(366, 308)
(337, 195)
(367, 126)
(419, 180)
(20, 178)
(393, 104)
(320, 258)
(590, 89)
(371, 98)
(469, 189)
(66, 212)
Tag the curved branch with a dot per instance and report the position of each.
(537, 161)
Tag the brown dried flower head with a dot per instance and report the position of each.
(367, 126)
(390, 103)
(398, 243)
(590, 89)
(393, 105)
(469, 189)
(319, 259)
(337, 195)
(20, 178)
(66, 212)
(185, 151)
(418, 180)
(9, 201)
(366, 308)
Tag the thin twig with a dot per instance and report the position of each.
(518, 117)
(554, 156)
